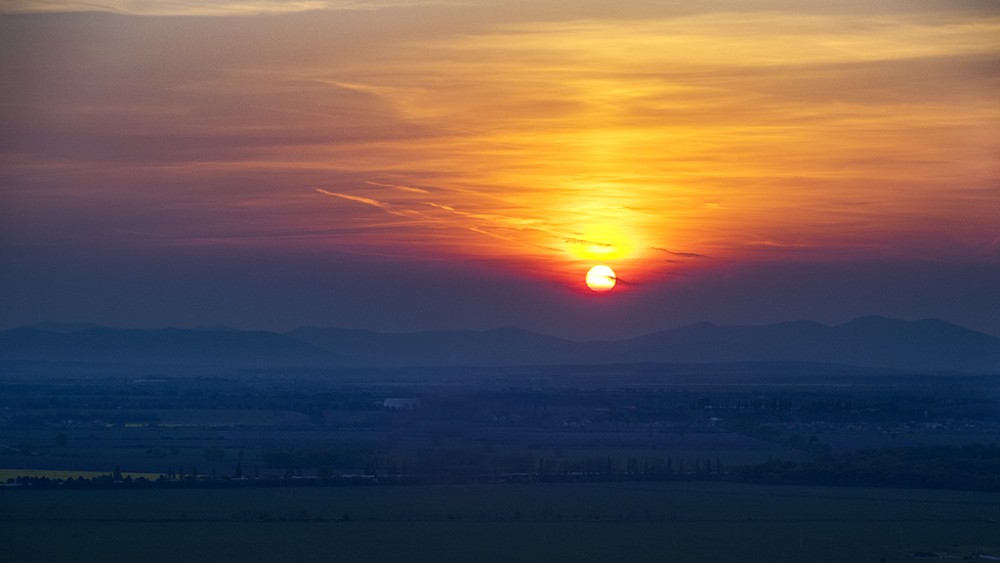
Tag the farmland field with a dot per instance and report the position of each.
(532, 522)
(6, 474)
(614, 466)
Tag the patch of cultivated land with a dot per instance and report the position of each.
(534, 522)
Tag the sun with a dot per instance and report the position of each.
(601, 278)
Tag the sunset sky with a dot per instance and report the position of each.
(411, 165)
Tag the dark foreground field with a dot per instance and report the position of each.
(622, 522)
(617, 463)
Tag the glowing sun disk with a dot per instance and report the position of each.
(601, 278)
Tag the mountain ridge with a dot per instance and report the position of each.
(871, 341)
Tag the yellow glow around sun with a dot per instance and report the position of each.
(600, 243)
(658, 144)
(601, 278)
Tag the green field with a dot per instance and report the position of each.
(537, 522)
(732, 452)
(6, 474)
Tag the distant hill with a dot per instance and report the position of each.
(168, 345)
(869, 341)
(502, 346)
(866, 342)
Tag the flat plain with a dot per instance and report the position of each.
(637, 522)
(623, 463)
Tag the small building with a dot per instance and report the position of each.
(401, 403)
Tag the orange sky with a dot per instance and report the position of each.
(730, 135)
(659, 138)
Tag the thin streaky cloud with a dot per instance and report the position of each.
(398, 187)
(588, 242)
(412, 213)
(681, 254)
(503, 222)
(454, 218)
(357, 198)
(406, 213)
(498, 220)
(207, 8)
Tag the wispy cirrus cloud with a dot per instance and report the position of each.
(682, 254)
(555, 141)
(205, 7)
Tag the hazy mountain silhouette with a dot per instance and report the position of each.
(501, 346)
(867, 342)
(168, 345)
(64, 328)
